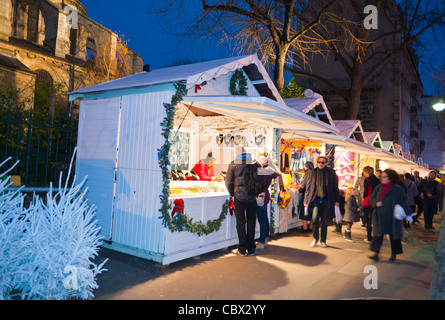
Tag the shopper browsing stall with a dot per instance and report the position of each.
(244, 184)
(323, 193)
(263, 199)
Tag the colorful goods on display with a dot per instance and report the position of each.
(345, 168)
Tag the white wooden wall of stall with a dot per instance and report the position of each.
(96, 155)
(136, 220)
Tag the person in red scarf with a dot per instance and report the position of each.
(383, 200)
(205, 169)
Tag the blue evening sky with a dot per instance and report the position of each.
(135, 20)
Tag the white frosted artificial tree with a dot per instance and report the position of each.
(61, 239)
(12, 230)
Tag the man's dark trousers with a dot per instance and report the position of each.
(321, 210)
(245, 213)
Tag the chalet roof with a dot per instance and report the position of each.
(315, 103)
(351, 129)
(194, 74)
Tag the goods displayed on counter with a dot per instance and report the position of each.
(198, 187)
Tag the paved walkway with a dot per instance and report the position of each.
(288, 269)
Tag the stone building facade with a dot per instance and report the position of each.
(55, 40)
(391, 101)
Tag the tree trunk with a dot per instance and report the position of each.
(353, 98)
(278, 72)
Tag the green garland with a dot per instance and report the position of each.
(238, 78)
(274, 189)
(180, 221)
(273, 193)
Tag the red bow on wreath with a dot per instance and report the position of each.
(179, 206)
(231, 206)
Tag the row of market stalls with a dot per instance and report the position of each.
(140, 136)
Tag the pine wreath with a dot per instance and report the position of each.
(238, 84)
(181, 221)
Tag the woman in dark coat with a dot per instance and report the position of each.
(383, 200)
(305, 215)
(371, 182)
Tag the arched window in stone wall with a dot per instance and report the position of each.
(29, 23)
(43, 76)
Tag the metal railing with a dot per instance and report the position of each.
(44, 149)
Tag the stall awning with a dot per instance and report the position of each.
(338, 140)
(259, 110)
(345, 142)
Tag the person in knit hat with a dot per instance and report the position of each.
(268, 171)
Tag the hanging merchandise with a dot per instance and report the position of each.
(287, 179)
(302, 160)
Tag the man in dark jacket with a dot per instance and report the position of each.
(429, 192)
(237, 181)
(371, 182)
(322, 191)
(416, 179)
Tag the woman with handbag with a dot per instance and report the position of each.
(371, 182)
(383, 200)
(305, 215)
(269, 172)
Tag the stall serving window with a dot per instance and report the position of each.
(203, 147)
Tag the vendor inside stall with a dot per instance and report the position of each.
(205, 168)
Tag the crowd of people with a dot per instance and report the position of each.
(384, 201)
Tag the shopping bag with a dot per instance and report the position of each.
(260, 199)
(365, 202)
(399, 213)
(338, 216)
(283, 199)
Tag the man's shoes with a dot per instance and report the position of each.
(252, 253)
(241, 254)
(260, 246)
(392, 258)
(313, 243)
(367, 241)
(374, 257)
(324, 245)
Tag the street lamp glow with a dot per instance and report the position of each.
(439, 106)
